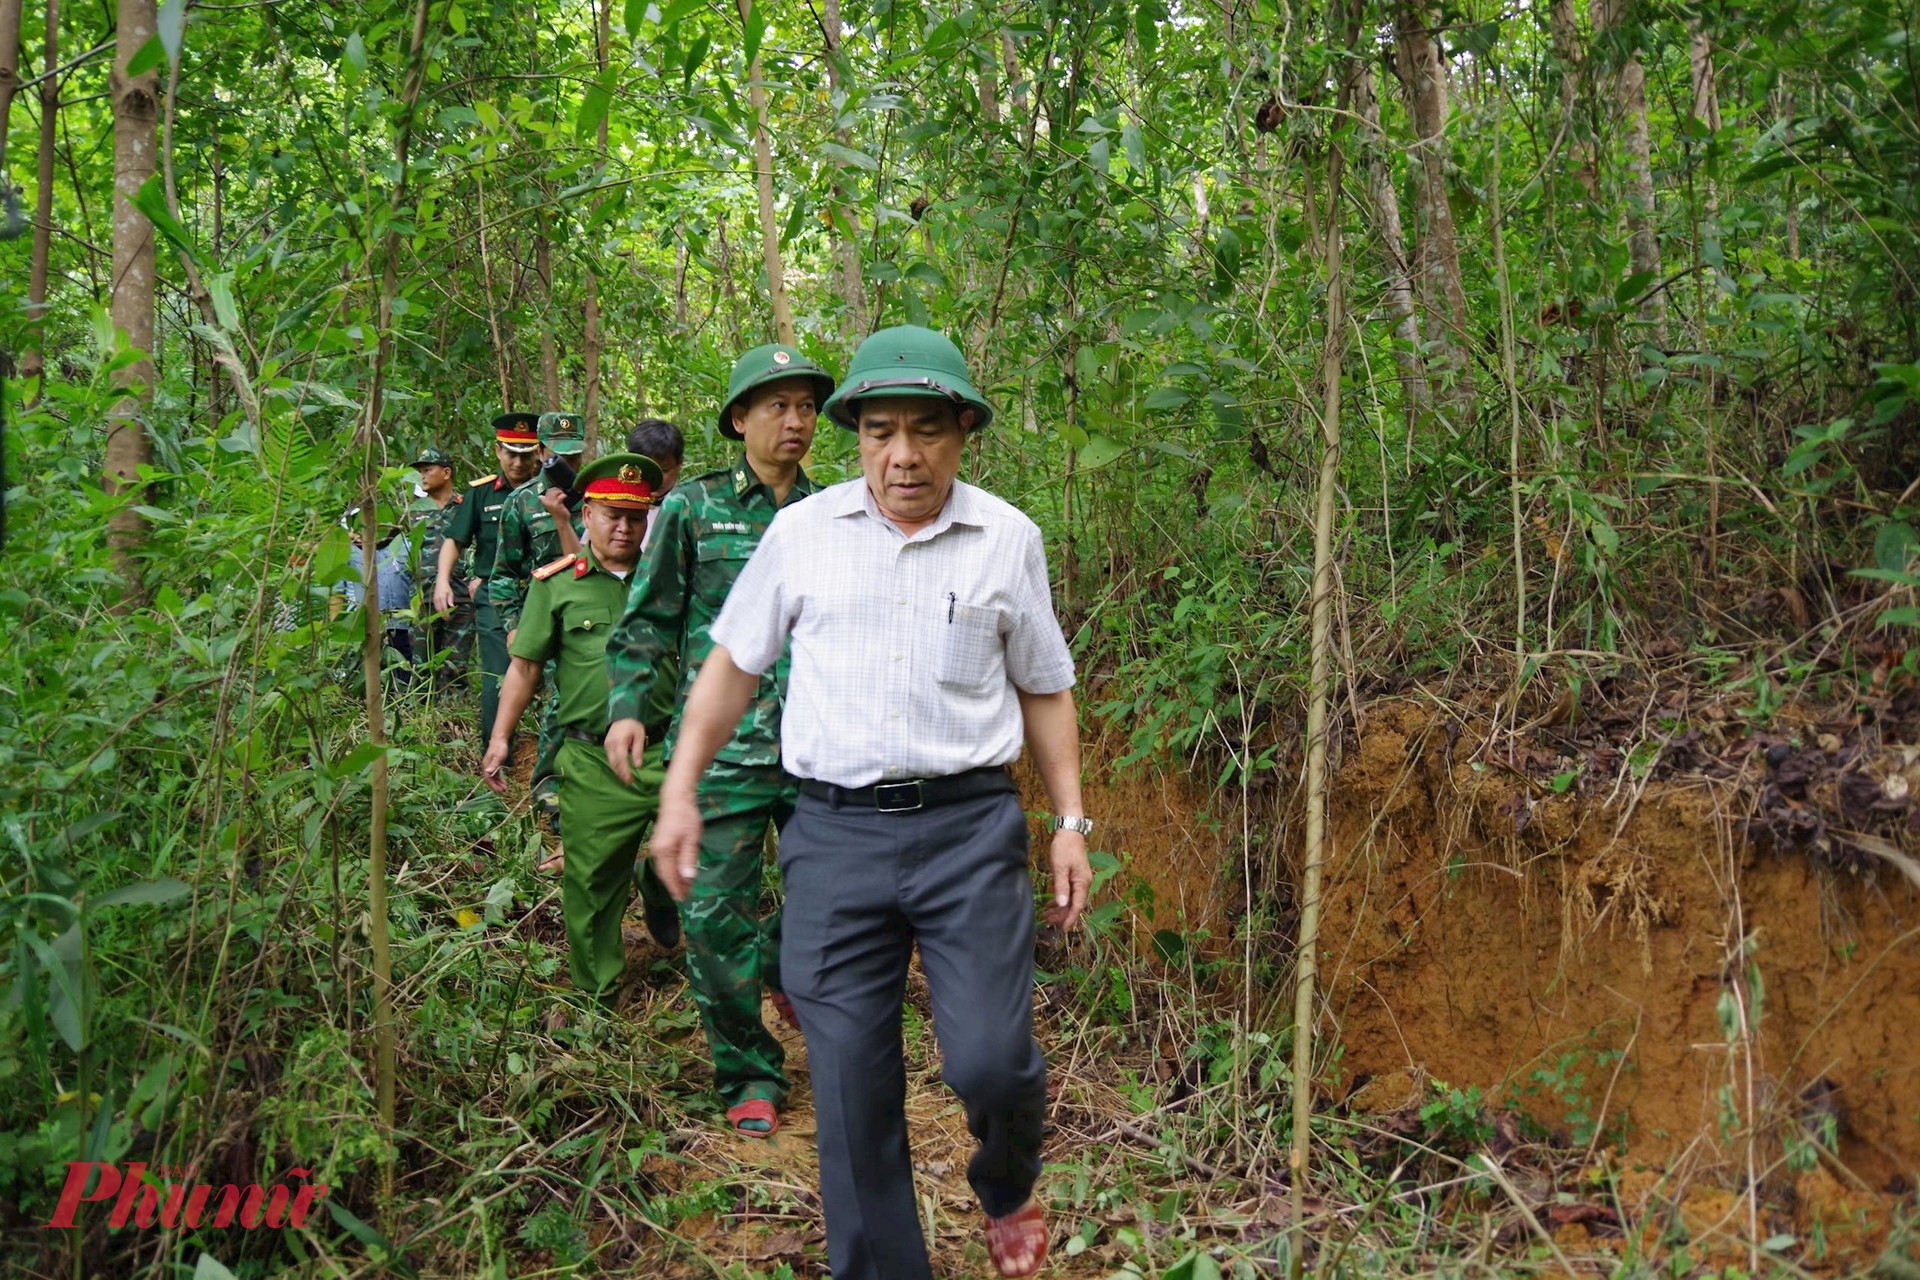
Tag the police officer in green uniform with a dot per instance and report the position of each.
(476, 524)
(536, 527)
(440, 641)
(565, 621)
(705, 532)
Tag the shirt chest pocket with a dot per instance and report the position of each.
(588, 627)
(969, 647)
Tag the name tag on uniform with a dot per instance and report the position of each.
(729, 526)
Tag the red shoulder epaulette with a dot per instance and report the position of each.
(546, 571)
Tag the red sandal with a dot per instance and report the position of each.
(783, 1007)
(754, 1109)
(1010, 1237)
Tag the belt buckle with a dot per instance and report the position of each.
(909, 793)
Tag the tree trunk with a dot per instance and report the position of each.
(1630, 100)
(131, 305)
(1393, 241)
(549, 353)
(846, 230)
(32, 364)
(679, 279)
(1437, 248)
(769, 223)
(9, 69)
(989, 77)
(1706, 93)
(486, 283)
(1009, 55)
(590, 336)
(1566, 47)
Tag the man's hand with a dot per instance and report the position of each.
(555, 501)
(626, 747)
(511, 632)
(443, 596)
(676, 843)
(1072, 876)
(492, 768)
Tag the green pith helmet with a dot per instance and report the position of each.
(772, 363)
(908, 360)
(562, 432)
(432, 457)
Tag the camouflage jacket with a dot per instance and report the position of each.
(705, 532)
(527, 541)
(430, 521)
(475, 522)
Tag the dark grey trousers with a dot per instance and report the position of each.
(862, 888)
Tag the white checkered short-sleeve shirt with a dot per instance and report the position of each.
(907, 652)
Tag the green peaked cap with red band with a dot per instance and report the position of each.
(621, 480)
(907, 360)
(517, 431)
(774, 362)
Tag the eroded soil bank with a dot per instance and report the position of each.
(1621, 960)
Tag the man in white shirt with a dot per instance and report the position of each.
(925, 650)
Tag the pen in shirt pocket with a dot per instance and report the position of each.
(951, 597)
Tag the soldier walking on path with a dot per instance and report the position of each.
(706, 530)
(924, 649)
(535, 527)
(442, 641)
(476, 524)
(564, 624)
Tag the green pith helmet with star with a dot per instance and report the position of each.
(907, 360)
(562, 433)
(621, 480)
(432, 457)
(774, 362)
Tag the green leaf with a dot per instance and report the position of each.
(171, 20)
(372, 1239)
(1633, 286)
(636, 13)
(211, 1268)
(671, 15)
(358, 758)
(1147, 17)
(165, 889)
(220, 289)
(1099, 451)
(593, 109)
(696, 54)
(1903, 617)
(848, 156)
(151, 200)
(150, 55)
(1895, 546)
(756, 31)
(356, 55)
(1165, 398)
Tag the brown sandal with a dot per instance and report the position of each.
(1013, 1236)
(783, 1007)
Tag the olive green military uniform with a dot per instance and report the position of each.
(529, 539)
(475, 524)
(568, 616)
(705, 532)
(452, 635)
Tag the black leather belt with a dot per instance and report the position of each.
(914, 793)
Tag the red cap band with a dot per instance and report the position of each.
(516, 435)
(620, 492)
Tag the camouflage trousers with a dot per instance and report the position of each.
(444, 642)
(606, 820)
(493, 662)
(732, 953)
(545, 784)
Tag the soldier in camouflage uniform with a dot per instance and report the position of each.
(705, 532)
(476, 523)
(567, 616)
(536, 527)
(441, 642)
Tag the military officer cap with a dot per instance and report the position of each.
(621, 480)
(562, 432)
(774, 362)
(907, 360)
(432, 457)
(517, 432)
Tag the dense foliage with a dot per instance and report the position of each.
(1662, 389)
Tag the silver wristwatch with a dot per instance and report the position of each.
(1083, 825)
